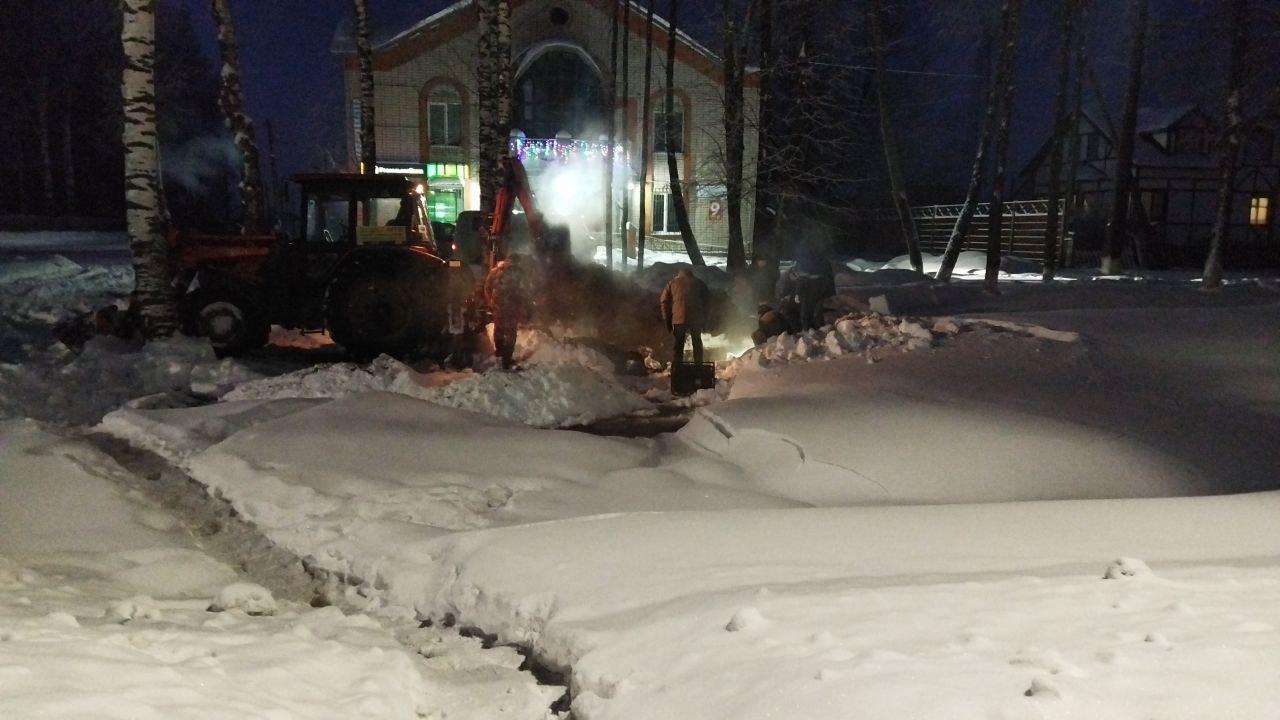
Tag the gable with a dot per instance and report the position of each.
(462, 17)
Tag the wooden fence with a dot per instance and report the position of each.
(1022, 234)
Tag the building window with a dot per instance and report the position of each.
(664, 214)
(559, 93)
(444, 121)
(1259, 210)
(661, 142)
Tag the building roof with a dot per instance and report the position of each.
(456, 18)
(1155, 119)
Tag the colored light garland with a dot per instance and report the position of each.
(561, 151)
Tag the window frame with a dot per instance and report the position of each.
(660, 139)
(670, 225)
(451, 135)
(1259, 210)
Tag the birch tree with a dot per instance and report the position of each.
(893, 159)
(1002, 76)
(1062, 116)
(1073, 143)
(735, 37)
(364, 53)
(673, 169)
(995, 224)
(231, 100)
(1229, 146)
(493, 94)
(611, 114)
(626, 140)
(646, 112)
(152, 290)
(762, 239)
(486, 102)
(1118, 225)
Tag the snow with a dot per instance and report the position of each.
(1055, 513)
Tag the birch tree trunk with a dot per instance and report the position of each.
(646, 117)
(762, 240)
(1073, 146)
(892, 158)
(231, 99)
(503, 88)
(364, 53)
(493, 95)
(1061, 127)
(673, 169)
(153, 293)
(961, 229)
(610, 158)
(1118, 226)
(487, 105)
(1229, 147)
(734, 127)
(1012, 12)
(626, 135)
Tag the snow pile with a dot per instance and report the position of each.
(249, 598)
(39, 293)
(547, 392)
(541, 396)
(870, 333)
(853, 333)
(535, 347)
(81, 388)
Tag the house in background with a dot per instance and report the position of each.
(1175, 172)
(427, 118)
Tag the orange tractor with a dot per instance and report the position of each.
(363, 264)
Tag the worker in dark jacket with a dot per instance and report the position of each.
(772, 321)
(508, 291)
(684, 309)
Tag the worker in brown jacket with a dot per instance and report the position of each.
(684, 309)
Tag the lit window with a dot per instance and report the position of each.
(664, 214)
(1259, 210)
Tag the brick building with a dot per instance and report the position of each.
(427, 120)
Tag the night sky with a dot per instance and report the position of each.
(292, 78)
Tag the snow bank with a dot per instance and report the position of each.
(102, 612)
(551, 390)
(845, 613)
(108, 372)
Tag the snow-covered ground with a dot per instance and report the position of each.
(1058, 513)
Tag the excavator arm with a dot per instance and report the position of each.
(514, 186)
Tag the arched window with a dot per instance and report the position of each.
(444, 118)
(559, 92)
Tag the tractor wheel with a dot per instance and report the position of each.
(375, 308)
(231, 324)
